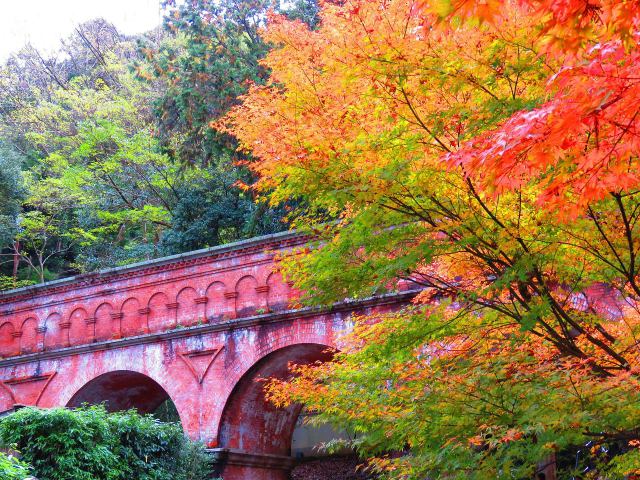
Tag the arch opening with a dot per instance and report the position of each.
(307, 438)
(124, 390)
(250, 423)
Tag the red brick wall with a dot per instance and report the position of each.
(198, 329)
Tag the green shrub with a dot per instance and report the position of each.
(11, 468)
(90, 444)
(9, 283)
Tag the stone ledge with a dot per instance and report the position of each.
(232, 456)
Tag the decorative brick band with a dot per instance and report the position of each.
(201, 300)
(230, 295)
(262, 289)
(403, 298)
(41, 329)
(90, 320)
(117, 316)
(144, 311)
(17, 334)
(173, 305)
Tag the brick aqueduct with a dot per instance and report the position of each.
(197, 328)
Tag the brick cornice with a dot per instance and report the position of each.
(280, 241)
(129, 288)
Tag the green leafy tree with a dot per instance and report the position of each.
(98, 188)
(121, 161)
(104, 182)
(209, 59)
(12, 191)
(42, 236)
(212, 210)
(29, 78)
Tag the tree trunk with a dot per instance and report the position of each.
(16, 259)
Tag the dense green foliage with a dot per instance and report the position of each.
(107, 153)
(215, 57)
(91, 444)
(11, 468)
(11, 191)
(212, 59)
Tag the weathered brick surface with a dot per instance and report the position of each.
(200, 329)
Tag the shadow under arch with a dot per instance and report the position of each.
(252, 424)
(123, 390)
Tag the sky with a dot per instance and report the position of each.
(45, 22)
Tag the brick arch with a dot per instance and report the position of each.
(96, 383)
(7, 340)
(188, 311)
(278, 292)
(131, 321)
(147, 360)
(104, 328)
(249, 422)
(217, 304)
(159, 316)
(267, 342)
(29, 335)
(52, 331)
(76, 328)
(246, 299)
(270, 340)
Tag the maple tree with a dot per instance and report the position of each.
(486, 152)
